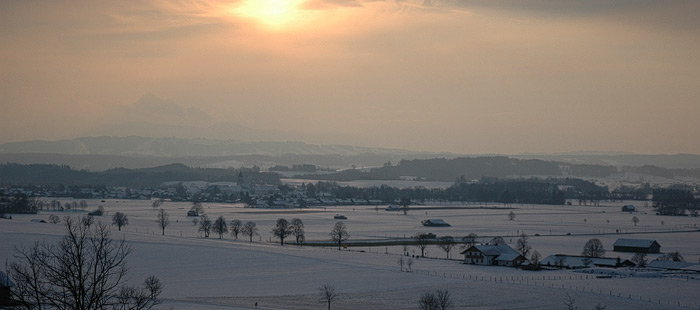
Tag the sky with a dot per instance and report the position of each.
(463, 76)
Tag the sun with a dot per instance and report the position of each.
(274, 14)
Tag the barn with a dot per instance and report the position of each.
(636, 246)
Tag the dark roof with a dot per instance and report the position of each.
(634, 243)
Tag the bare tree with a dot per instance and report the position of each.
(497, 240)
(87, 220)
(120, 219)
(444, 300)
(298, 230)
(236, 226)
(535, 258)
(446, 244)
(639, 259)
(593, 248)
(197, 207)
(405, 202)
(328, 294)
(281, 230)
(570, 302)
(428, 301)
(523, 246)
(54, 219)
(422, 241)
(205, 225)
(250, 230)
(157, 203)
(163, 220)
(220, 226)
(86, 269)
(339, 233)
(672, 256)
(469, 240)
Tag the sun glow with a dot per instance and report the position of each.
(274, 14)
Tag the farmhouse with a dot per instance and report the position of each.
(487, 254)
(577, 261)
(435, 223)
(636, 246)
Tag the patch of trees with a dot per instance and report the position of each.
(20, 203)
(447, 170)
(493, 190)
(300, 168)
(508, 191)
(675, 201)
(42, 174)
(438, 300)
(588, 170)
(633, 193)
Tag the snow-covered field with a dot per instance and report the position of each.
(210, 273)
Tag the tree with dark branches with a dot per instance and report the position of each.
(523, 246)
(120, 219)
(220, 226)
(163, 220)
(298, 230)
(422, 241)
(497, 240)
(205, 225)
(446, 243)
(328, 294)
(444, 300)
(236, 226)
(86, 270)
(250, 230)
(339, 233)
(469, 240)
(593, 248)
(281, 230)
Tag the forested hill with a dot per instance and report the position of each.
(474, 168)
(43, 174)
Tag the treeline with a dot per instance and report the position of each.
(533, 191)
(675, 201)
(475, 168)
(62, 175)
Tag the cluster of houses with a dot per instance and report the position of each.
(504, 255)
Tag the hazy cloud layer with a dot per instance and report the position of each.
(473, 76)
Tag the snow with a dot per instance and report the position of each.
(210, 273)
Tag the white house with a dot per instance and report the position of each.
(487, 254)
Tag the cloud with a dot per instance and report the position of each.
(162, 111)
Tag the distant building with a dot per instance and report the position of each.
(435, 223)
(628, 208)
(636, 246)
(487, 254)
(577, 261)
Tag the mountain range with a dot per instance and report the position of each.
(106, 152)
